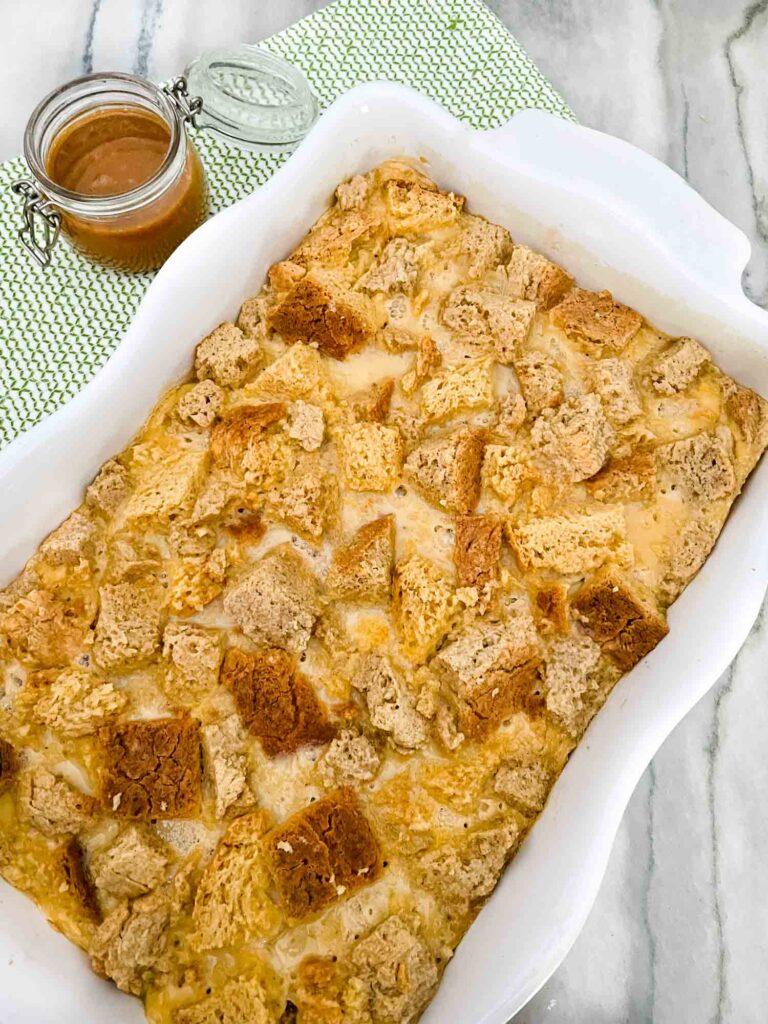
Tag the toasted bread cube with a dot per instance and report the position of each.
(391, 705)
(197, 581)
(484, 315)
(533, 277)
(361, 570)
(699, 467)
(45, 629)
(484, 244)
(540, 381)
(423, 605)
(549, 604)
(202, 404)
(152, 769)
(250, 319)
(748, 412)
(227, 356)
(428, 358)
(461, 388)
(76, 541)
(77, 881)
(578, 433)
(130, 623)
(523, 785)
(396, 270)
(464, 872)
(52, 805)
(353, 194)
(334, 242)
(446, 470)
(226, 761)
(612, 380)
(297, 373)
(109, 488)
(372, 404)
(233, 439)
(507, 470)
(350, 760)
(232, 902)
(77, 703)
(476, 550)
(307, 425)
(398, 969)
(678, 366)
(686, 552)
(573, 683)
(595, 319)
(571, 542)
(615, 614)
(321, 853)
(166, 487)
(133, 865)
(512, 413)
(233, 1000)
(277, 602)
(419, 206)
(632, 478)
(9, 765)
(307, 499)
(131, 941)
(320, 311)
(276, 702)
(492, 672)
(372, 457)
(193, 655)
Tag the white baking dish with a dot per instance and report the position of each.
(617, 219)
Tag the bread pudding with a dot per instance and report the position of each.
(283, 696)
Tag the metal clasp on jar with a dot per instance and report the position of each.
(189, 107)
(41, 222)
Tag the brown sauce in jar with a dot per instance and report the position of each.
(114, 150)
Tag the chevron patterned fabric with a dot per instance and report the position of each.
(58, 326)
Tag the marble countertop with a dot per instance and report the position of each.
(679, 933)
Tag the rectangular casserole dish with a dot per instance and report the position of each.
(615, 218)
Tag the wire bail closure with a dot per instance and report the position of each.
(189, 107)
(41, 222)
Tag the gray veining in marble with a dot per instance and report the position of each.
(679, 933)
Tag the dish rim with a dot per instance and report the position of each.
(503, 146)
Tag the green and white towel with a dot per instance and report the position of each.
(60, 324)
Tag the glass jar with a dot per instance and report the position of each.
(132, 229)
(246, 96)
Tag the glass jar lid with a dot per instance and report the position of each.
(251, 97)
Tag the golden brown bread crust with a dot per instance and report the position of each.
(152, 769)
(476, 550)
(550, 607)
(243, 427)
(361, 570)
(596, 318)
(9, 765)
(614, 614)
(77, 879)
(319, 312)
(275, 701)
(446, 469)
(322, 852)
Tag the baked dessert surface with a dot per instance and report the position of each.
(282, 697)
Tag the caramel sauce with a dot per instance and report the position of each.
(112, 151)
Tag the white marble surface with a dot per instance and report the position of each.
(679, 933)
